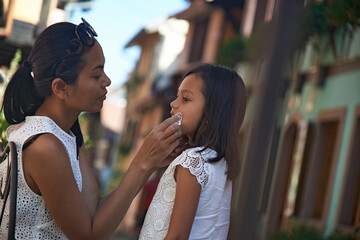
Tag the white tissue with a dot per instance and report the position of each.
(180, 115)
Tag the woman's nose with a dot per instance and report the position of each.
(107, 81)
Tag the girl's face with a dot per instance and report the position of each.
(89, 93)
(190, 101)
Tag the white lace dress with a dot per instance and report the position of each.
(33, 219)
(212, 217)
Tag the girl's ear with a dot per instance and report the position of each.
(59, 88)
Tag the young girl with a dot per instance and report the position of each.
(193, 197)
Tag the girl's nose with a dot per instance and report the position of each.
(173, 104)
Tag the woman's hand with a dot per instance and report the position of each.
(158, 145)
(183, 145)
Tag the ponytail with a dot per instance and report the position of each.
(21, 98)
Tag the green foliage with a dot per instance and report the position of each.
(3, 123)
(308, 233)
(14, 63)
(232, 51)
(327, 18)
(3, 126)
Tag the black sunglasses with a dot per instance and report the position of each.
(85, 33)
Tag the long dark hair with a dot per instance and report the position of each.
(56, 53)
(225, 104)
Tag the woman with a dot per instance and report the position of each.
(58, 197)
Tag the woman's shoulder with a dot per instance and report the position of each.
(46, 147)
(46, 144)
(34, 125)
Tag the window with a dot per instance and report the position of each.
(350, 207)
(321, 168)
(328, 133)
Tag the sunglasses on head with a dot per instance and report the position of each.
(85, 33)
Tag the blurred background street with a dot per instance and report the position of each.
(300, 61)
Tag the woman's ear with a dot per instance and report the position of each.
(59, 88)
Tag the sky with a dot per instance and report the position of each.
(117, 22)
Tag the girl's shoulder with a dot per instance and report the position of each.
(196, 160)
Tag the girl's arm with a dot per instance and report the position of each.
(46, 165)
(186, 202)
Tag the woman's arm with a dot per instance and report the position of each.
(48, 167)
(186, 202)
(90, 188)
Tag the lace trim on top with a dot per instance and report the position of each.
(197, 164)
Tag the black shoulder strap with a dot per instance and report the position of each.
(10, 155)
(26, 144)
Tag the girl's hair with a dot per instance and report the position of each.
(57, 52)
(225, 104)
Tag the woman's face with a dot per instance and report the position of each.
(89, 93)
(190, 101)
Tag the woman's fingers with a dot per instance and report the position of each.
(168, 122)
(160, 142)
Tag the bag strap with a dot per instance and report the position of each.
(10, 155)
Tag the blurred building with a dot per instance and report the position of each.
(21, 21)
(310, 173)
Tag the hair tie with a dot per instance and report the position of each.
(28, 67)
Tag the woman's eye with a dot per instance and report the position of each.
(97, 77)
(185, 99)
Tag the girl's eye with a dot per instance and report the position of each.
(97, 77)
(185, 99)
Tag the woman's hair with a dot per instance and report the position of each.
(57, 52)
(225, 104)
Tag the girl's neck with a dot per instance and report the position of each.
(194, 143)
(197, 144)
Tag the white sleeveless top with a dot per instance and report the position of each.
(212, 217)
(33, 218)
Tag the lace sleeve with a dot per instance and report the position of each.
(197, 166)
